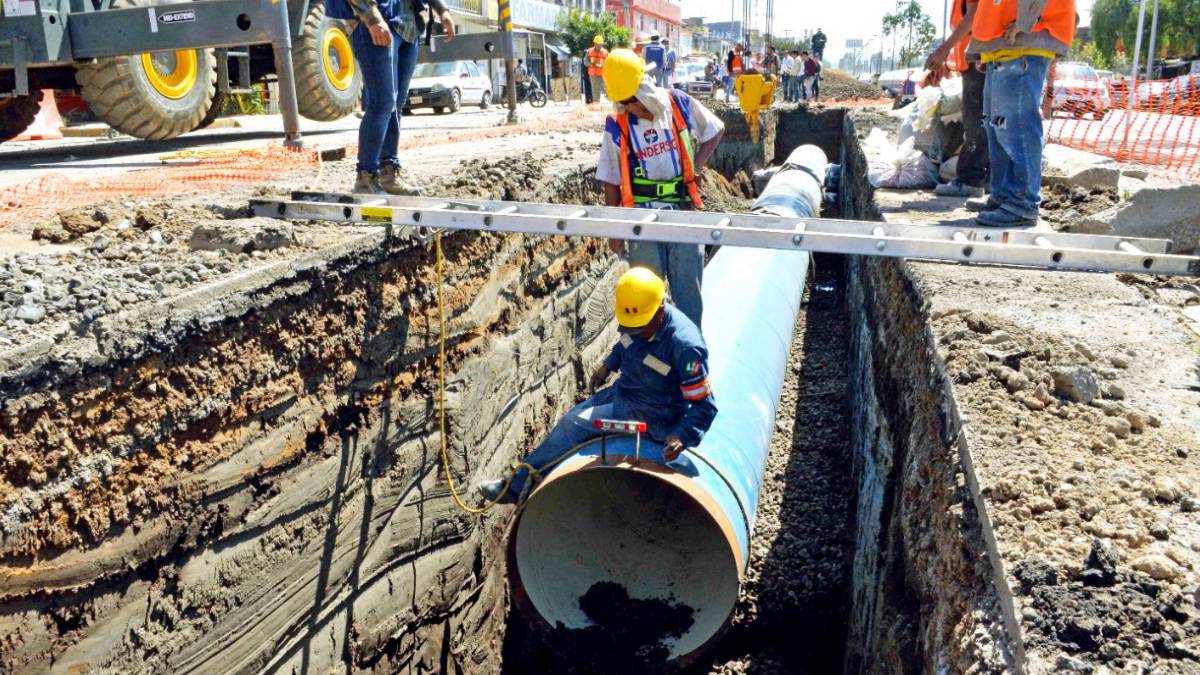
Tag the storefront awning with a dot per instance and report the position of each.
(563, 52)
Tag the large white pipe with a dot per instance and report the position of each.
(680, 530)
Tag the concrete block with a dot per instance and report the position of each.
(1068, 166)
(1161, 211)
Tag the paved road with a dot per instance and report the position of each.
(78, 158)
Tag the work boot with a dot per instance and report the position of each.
(978, 204)
(1002, 218)
(390, 181)
(367, 183)
(957, 189)
(491, 489)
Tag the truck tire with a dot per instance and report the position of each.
(328, 81)
(214, 110)
(153, 96)
(16, 114)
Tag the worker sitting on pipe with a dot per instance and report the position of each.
(663, 363)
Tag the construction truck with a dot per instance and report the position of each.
(192, 56)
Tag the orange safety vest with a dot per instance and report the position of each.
(957, 61)
(595, 60)
(993, 16)
(737, 64)
(679, 128)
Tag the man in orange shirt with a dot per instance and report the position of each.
(951, 56)
(1016, 40)
(595, 67)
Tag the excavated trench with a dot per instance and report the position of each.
(250, 480)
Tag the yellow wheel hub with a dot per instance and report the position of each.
(172, 74)
(337, 58)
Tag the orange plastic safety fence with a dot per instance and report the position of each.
(181, 173)
(190, 172)
(1154, 124)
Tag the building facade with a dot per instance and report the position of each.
(647, 17)
(595, 7)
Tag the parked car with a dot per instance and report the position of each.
(448, 87)
(690, 78)
(1078, 90)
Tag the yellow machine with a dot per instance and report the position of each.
(755, 92)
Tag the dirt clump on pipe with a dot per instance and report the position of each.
(627, 636)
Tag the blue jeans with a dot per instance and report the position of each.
(1012, 115)
(387, 72)
(574, 428)
(795, 86)
(682, 265)
(727, 83)
(784, 80)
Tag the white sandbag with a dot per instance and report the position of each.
(903, 167)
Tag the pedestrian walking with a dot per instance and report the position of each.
(595, 67)
(651, 154)
(951, 57)
(662, 361)
(735, 65)
(654, 54)
(385, 48)
(811, 69)
(1016, 41)
(817, 77)
(671, 59)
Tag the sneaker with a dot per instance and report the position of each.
(1002, 218)
(368, 183)
(957, 189)
(978, 204)
(390, 181)
(491, 489)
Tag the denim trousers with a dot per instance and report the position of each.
(682, 265)
(386, 72)
(1012, 115)
(795, 88)
(784, 81)
(574, 428)
(973, 159)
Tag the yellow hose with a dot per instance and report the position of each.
(437, 247)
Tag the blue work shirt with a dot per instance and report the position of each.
(654, 53)
(664, 380)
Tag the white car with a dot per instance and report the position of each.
(1078, 90)
(448, 87)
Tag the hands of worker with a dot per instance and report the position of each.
(381, 34)
(672, 446)
(936, 65)
(1011, 34)
(617, 246)
(599, 377)
(448, 26)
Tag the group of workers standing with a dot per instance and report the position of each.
(1003, 49)
(798, 71)
(652, 149)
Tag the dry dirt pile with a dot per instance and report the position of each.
(841, 86)
(1064, 204)
(1096, 506)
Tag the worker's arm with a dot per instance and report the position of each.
(612, 197)
(611, 364)
(1028, 13)
(447, 21)
(367, 11)
(936, 63)
(706, 150)
(696, 391)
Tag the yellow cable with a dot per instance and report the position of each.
(437, 247)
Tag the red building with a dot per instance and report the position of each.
(647, 17)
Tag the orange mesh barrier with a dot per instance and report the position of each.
(1154, 125)
(195, 171)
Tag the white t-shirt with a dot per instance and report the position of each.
(654, 145)
(788, 65)
(797, 66)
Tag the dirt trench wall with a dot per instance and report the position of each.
(249, 479)
(923, 598)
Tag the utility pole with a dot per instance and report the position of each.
(510, 64)
(1153, 40)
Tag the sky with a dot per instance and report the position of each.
(840, 19)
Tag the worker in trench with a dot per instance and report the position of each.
(663, 364)
(651, 152)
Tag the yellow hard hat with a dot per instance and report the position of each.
(599, 40)
(639, 295)
(623, 71)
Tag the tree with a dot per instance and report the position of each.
(1088, 52)
(579, 29)
(914, 27)
(1178, 27)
